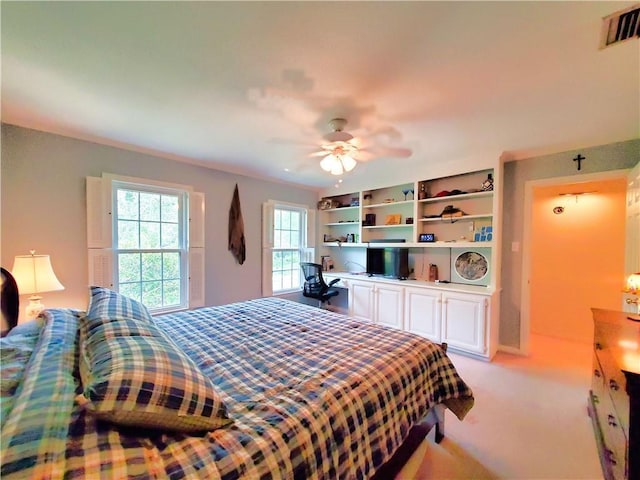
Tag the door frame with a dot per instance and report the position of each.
(525, 289)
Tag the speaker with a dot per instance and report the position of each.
(369, 219)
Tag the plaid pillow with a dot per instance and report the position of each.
(133, 374)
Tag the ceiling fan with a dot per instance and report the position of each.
(343, 151)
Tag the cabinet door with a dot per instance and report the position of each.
(422, 312)
(463, 321)
(388, 305)
(361, 304)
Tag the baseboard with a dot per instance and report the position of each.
(511, 350)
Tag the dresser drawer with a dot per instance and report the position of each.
(614, 437)
(597, 379)
(614, 382)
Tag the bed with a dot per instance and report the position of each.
(266, 388)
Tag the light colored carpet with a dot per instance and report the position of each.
(529, 420)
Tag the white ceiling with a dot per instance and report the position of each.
(249, 87)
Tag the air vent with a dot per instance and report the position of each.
(621, 26)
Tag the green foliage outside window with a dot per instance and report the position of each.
(148, 233)
(287, 237)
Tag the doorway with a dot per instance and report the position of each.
(573, 254)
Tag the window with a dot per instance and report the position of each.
(150, 245)
(146, 240)
(287, 240)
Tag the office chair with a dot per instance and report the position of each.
(314, 284)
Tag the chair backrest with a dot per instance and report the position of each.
(10, 306)
(314, 284)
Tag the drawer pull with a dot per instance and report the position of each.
(597, 346)
(613, 385)
(596, 373)
(610, 456)
(595, 399)
(611, 420)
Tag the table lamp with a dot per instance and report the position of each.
(633, 288)
(34, 275)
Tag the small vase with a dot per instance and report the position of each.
(422, 194)
(487, 185)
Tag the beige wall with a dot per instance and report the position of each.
(43, 208)
(616, 156)
(577, 256)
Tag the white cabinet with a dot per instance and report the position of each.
(423, 312)
(388, 300)
(464, 319)
(361, 304)
(459, 319)
(458, 315)
(379, 302)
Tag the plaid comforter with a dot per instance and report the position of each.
(312, 394)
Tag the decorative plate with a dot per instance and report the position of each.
(471, 265)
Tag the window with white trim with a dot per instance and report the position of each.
(150, 227)
(288, 231)
(146, 240)
(287, 240)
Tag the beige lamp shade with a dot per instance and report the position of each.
(633, 283)
(33, 274)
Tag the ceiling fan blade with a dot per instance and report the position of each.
(287, 141)
(321, 153)
(383, 151)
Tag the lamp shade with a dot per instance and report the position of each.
(33, 274)
(633, 283)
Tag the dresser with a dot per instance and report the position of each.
(614, 400)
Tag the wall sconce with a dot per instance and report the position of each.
(558, 210)
(34, 275)
(577, 194)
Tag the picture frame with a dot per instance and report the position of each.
(393, 219)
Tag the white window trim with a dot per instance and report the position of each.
(307, 249)
(100, 238)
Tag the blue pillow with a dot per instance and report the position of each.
(133, 374)
(15, 352)
(30, 328)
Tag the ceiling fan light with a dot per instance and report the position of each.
(337, 168)
(348, 163)
(328, 162)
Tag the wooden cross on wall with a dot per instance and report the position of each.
(579, 159)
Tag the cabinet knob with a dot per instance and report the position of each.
(596, 373)
(597, 346)
(611, 420)
(596, 399)
(613, 385)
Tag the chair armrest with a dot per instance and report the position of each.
(333, 282)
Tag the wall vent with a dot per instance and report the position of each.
(620, 26)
